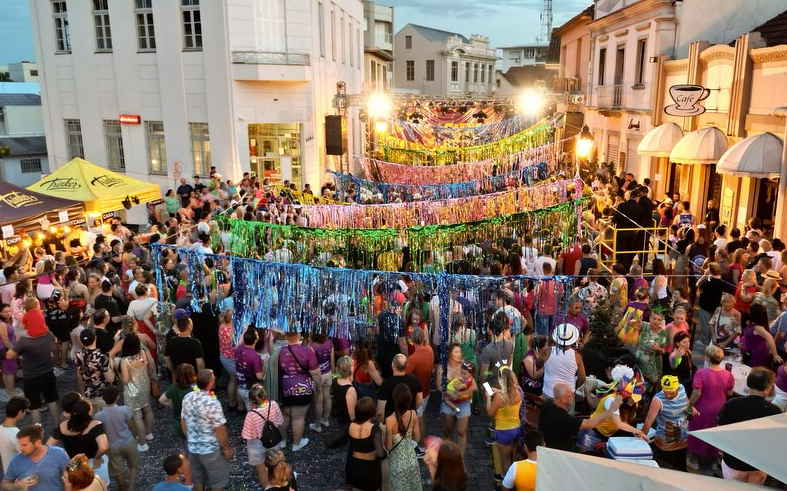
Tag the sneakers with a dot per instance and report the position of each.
(143, 448)
(304, 442)
(498, 477)
(489, 441)
(693, 464)
(420, 452)
(325, 423)
(316, 427)
(149, 437)
(282, 444)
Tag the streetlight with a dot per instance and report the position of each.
(584, 143)
(378, 109)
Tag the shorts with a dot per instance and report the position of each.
(119, 457)
(229, 365)
(327, 380)
(62, 335)
(507, 437)
(43, 385)
(420, 410)
(210, 468)
(255, 451)
(589, 440)
(296, 400)
(103, 470)
(464, 409)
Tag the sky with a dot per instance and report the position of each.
(506, 22)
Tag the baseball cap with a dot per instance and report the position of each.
(87, 337)
(56, 295)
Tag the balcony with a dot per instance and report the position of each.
(271, 66)
(609, 97)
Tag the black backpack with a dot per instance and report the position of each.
(270, 436)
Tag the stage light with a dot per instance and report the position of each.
(379, 105)
(530, 102)
(584, 143)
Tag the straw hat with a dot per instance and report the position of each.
(565, 335)
(773, 274)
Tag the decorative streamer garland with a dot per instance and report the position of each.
(460, 135)
(299, 197)
(428, 246)
(443, 212)
(395, 173)
(400, 151)
(334, 301)
(363, 191)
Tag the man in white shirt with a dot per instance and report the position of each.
(546, 257)
(529, 254)
(15, 409)
(776, 256)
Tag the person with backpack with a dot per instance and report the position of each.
(260, 430)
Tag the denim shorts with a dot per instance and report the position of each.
(464, 409)
(256, 451)
(229, 365)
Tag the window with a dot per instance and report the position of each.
(74, 138)
(192, 24)
(352, 46)
(602, 65)
(33, 73)
(30, 166)
(454, 71)
(475, 72)
(467, 72)
(62, 34)
(410, 70)
(146, 33)
(116, 159)
(157, 150)
(530, 53)
(101, 22)
(360, 47)
(333, 35)
(344, 41)
(200, 147)
(483, 73)
(620, 64)
(430, 70)
(408, 42)
(321, 21)
(642, 45)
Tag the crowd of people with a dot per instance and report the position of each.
(637, 347)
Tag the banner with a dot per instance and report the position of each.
(442, 212)
(364, 191)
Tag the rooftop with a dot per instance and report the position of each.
(526, 76)
(774, 31)
(433, 34)
(19, 100)
(24, 145)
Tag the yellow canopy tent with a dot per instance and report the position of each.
(100, 189)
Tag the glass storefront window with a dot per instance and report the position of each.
(275, 151)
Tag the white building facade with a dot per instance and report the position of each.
(22, 132)
(523, 55)
(378, 46)
(148, 87)
(432, 61)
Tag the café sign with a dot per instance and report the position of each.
(686, 98)
(130, 118)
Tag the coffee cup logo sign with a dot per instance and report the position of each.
(686, 98)
(16, 199)
(60, 184)
(107, 181)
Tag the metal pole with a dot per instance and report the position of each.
(780, 227)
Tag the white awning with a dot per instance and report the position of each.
(660, 141)
(565, 470)
(705, 146)
(758, 442)
(758, 156)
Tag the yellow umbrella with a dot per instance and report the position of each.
(100, 189)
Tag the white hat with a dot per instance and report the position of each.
(565, 334)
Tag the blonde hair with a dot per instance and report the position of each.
(508, 384)
(32, 303)
(680, 310)
(714, 354)
(344, 366)
(726, 297)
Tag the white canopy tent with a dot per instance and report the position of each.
(660, 141)
(757, 156)
(758, 442)
(704, 146)
(559, 470)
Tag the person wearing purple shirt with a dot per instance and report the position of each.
(299, 379)
(639, 281)
(324, 352)
(575, 316)
(248, 365)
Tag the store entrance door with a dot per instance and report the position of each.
(275, 151)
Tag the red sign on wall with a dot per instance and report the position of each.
(129, 118)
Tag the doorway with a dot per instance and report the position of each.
(275, 151)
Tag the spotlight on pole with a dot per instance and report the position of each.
(531, 103)
(379, 105)
(584, 143)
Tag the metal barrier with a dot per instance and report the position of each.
(610, 247)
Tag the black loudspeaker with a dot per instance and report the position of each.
(334, 138)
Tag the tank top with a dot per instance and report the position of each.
(323, 354)
(507, 417)
(671, 423)
(607, 427)
(560, 368)
(339, 393)
(529, 384)
(363, 445)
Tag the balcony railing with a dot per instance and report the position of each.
(270, 58)
(609, 96)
